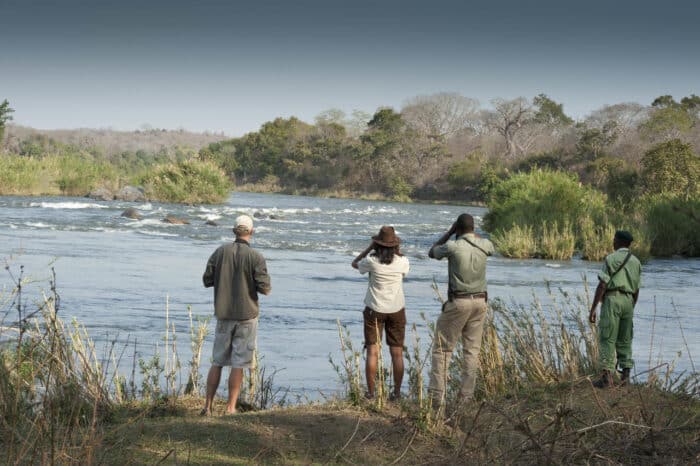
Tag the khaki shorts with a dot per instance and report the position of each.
(234, 343)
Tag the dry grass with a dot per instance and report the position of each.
(562, 424)
(535, 404)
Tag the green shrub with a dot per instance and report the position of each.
(465, 172)
(542, 197)
(555, 160)
(672, 225)
(190, 182)
(400, 189)
(518, 242)
(556, 242)
(19, 175)
(671, 168)
(76, 175)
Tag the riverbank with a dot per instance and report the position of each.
(570, 423)
(265, 188)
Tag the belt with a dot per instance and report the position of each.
(458, 295)
(618, 292)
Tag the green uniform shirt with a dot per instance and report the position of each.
(626, 280)
(466, 264)
(238, 273)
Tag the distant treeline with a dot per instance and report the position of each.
(446, 146)
(443, 146)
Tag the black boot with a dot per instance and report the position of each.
(625, 376)
(605, 381)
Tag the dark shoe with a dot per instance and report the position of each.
(625, 376)
(369, 396)
(395, 397)
(205, 412)
(605, 381)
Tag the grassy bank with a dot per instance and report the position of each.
(188, 181)
(564, 424)
(550, 214)
(62, 402)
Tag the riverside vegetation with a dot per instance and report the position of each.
(554, 186)
(62, 402)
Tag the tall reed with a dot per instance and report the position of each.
(556, 241)
(517, 242)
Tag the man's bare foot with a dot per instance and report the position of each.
(205, 412)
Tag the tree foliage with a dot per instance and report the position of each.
(5, 116)
(549, 112)
(671, 168)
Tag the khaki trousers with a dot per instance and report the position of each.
(461, 317)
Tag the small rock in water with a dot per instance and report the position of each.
(276, 217)
(101, 194)
(132, 213)
(259, 214)
(211, 223)
(131, 194)
(175, 221)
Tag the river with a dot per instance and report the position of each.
(114, 274)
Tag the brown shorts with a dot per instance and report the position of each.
(375, 322)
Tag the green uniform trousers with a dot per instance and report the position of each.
(615, 331)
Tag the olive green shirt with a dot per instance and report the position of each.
(238, 273)
(626, 280)
(466, 264)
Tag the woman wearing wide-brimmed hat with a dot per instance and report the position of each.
(385, 304)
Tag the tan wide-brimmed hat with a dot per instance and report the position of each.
(387, 237)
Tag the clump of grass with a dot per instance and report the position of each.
(197, 335)
(517, 242)
(52, 387)
(71, 174)
(557, 242)
(350, 373)
(595, 240)
(190, 182)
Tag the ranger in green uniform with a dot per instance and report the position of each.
(618, 290)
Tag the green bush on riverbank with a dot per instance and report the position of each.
(191, 181)
(65, 175)
(528, 214)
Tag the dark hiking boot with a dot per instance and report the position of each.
(605, 381)
(625, 376)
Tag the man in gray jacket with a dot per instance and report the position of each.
(238, 273)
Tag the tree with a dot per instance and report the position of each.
(332, 115)
(509, 118)
(5, 116)
(441, 115)
(669, 119)
(671, 168)
(549, 112)
(592, 142)
(626, 116)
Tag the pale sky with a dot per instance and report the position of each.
(230, 66)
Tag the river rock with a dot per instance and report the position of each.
(259, 214)
(174, 220)
(132, 213)
(131, 194)
(276, 217)
(211, 223)
(101, 194)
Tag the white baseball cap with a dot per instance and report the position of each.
(243, 222)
